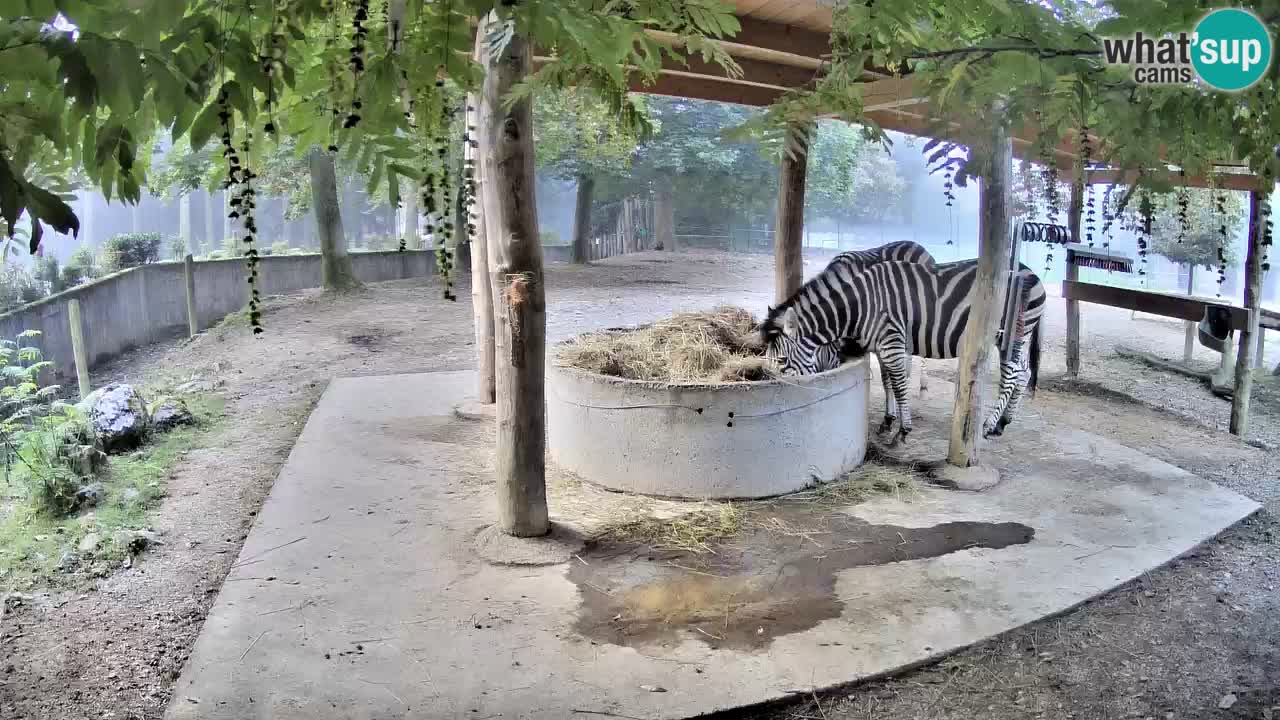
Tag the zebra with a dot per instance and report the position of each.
(897, 310)
(900, 251)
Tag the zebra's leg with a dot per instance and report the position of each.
(1019, 389)
(1013, 376)
(894, 361)
(924, 377)
(890, 407)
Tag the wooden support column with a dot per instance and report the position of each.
(506, 151)
(985, 299)
(1075, 213)
(788, 256)
(1189, 327)
(481, 283)
(189, 271)
(78, 349)
(664, 221)
(1252, 303)
(582, 217)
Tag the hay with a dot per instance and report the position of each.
(692, 532)
(708, 347)
(867, 481)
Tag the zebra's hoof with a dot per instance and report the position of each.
(885, 424)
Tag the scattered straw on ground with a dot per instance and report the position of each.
(715, 346)
(706, 524)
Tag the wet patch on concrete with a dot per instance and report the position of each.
(775, 579)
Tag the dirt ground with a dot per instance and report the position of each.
(1199, 639)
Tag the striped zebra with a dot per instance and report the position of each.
(897, 310)
(900, 251)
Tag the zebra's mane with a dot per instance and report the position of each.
(771, 326)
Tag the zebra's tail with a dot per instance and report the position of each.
(1035, 360)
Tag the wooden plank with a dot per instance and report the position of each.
(78, 348)
(189, 274)
(484, 208)
(985, 298)
(1229, 181)
(701, 87)
(1156, 303)
(1249, 333)
(506, 150)
(788, 238)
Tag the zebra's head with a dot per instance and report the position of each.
(794, 351)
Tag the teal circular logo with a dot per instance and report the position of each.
(1231, 49)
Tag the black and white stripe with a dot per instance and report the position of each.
(900, 251)
(896, 310)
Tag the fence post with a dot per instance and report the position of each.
(77, 347)
(189, 269)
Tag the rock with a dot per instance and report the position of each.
(976, 478)
(135, 541)
(89, 542)
(69, 561)
(90, 495)
(1227, 701)
(170, 412)
(118, 415)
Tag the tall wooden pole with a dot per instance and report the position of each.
(481, 286)
(985, 299)
(788, 255)
(78, 350)
(506, 150)
(1252, 303)
(1075, 213)
(1189, 327)
(189, 273)
(582, 218)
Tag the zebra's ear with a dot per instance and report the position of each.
(790, 323)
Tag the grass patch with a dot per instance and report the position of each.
(33, 547)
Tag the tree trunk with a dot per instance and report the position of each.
(1189, 327)
(1252, 303)
(664, 221)
(184, 221)
(985, 299)
(788, 253)
(210, 222)
(506, 150)
(335, 265)
(582, 218)
(1075, 212)
(481, 283)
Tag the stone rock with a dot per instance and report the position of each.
(118, 415)
(168, 413)
(69, 561)
(89, 543)
(90, 495)
(976, 478)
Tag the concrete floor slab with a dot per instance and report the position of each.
(359, 594)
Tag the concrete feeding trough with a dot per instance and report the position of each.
(720, 440)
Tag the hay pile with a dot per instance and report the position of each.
(703, 347)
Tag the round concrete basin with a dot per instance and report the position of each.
(735, 440)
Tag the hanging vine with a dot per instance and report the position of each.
(359, 34)
(1268, 181)
(1090, 195)
(1146, 215)
(1184, 207)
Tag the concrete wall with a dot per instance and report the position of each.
(146, 304)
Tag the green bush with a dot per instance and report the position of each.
(84, 262)
(128, 250)
(18, 287)
(280, 247)
(47, 271)
(57, 455)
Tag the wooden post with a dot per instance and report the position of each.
(582, 217)
(788, 253)
(1075, 212)
(1252, 303)
(664, 221)
(78, 350)
(506, 150)
(985, 299)
(481, 283)
(189, 270)
(1189, 342)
